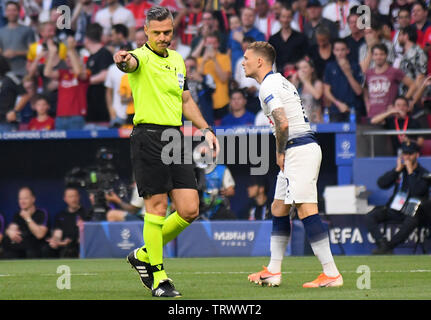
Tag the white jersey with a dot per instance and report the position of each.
(277, 92)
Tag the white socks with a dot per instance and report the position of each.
(278, 248)
(322, 251)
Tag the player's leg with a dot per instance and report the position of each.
(302, 170)
(271, 275)
(280, 234)
(318, 237)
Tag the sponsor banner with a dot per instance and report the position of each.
(125, 132)
(235, 239)
(348, 235)
(114, 240)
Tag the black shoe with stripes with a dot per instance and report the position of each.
(166, 289)
(144, 269)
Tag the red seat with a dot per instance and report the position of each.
(426, 148)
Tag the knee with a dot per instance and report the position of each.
(278, 208)
(158, 208)
(189, 212)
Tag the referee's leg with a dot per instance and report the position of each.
(155, 211)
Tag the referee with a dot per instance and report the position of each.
(161, 95)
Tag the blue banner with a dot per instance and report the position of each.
(348, 235)
(114, 239)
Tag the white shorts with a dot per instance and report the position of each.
(298, 184)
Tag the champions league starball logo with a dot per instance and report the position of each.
(125, 244)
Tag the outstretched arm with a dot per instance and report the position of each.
(125, 61)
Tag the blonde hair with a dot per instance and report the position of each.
(264, 49)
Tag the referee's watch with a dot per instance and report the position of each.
(204, 131)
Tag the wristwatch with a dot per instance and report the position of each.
(28, 220)
(204, 131)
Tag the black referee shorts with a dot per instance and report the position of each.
(151, 174)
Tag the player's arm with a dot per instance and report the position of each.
(126, 61)
(191, 112)
(281, 129)
(281, 134)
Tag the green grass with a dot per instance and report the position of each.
(392, 277)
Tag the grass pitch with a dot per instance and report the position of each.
(391, 277)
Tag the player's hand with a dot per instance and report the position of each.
(400, 165)
(343, 107)
(409, 166)
(112, 197)
(25, 214)
(15, 236)
(122, 56)
(213, 144)
(280, 160)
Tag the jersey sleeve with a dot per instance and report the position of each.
(140, 56)
(270, 96)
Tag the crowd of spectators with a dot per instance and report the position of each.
(57, 71)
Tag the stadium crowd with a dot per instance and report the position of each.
(57, 70)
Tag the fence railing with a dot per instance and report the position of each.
(410, 132)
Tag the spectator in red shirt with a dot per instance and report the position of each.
(139, 9)
(188, 21)
(420, 19)
(72, 88)
(42, 121)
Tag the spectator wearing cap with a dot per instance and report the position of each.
(409, 184)
(398, 117)
(315, 19)
(259, 205)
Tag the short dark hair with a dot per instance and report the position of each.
(94, 32)
(402, 98)
(248, 39)
(4, 65)
(15, 3)
(421, 3)
(263, 48)
(238, 91)
(158, 13)
(376, 24)
(380, 46)
(38, 97)
(323, 30)
(411, 33)
(340, 40)
(122, 29)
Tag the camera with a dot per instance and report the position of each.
(98, 180)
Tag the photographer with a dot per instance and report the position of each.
(98, 180)
(215, 185)
(405, 206)
(133, 211)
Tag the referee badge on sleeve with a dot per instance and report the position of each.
(181, 80)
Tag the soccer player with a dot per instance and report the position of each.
(298, 156)
(161, 96)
